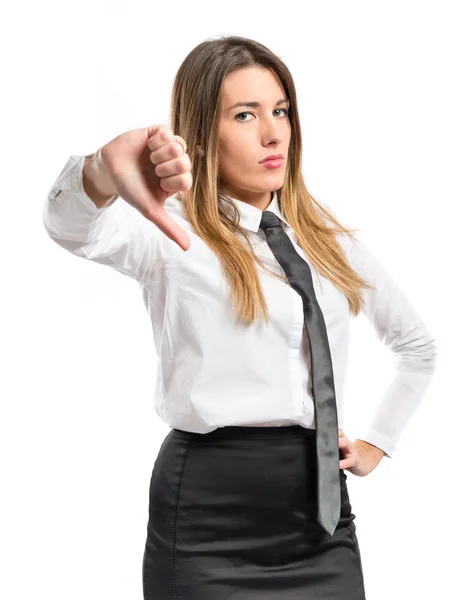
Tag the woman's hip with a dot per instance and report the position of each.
(235, 509)
(241, 477)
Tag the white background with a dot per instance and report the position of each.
(387, 99)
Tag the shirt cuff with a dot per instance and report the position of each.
(379, 439)
(70, 181)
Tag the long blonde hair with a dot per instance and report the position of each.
(195, 111)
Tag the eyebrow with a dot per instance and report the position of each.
(256, 104)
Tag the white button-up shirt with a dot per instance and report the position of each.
(215, 371)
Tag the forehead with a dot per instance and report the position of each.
(251, 84)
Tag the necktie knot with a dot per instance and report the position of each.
(269, 219)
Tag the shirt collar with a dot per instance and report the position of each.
(250, 216)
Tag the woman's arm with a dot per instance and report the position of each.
(96, 182)
(401, 328)
(114, 234)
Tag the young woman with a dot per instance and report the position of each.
(233, 509)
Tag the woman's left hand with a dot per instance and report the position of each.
(358, 457)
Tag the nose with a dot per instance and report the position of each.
(271, 131)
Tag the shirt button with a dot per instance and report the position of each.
(55, 192)
(75, 183)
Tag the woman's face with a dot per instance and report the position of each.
(248, 134)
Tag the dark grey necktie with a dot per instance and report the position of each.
(325, 412)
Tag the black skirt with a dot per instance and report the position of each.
(232, 516)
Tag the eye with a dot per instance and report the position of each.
(285, 110)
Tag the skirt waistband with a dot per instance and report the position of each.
(247, 432)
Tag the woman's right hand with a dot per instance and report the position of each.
(145, 167)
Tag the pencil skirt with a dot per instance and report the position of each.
(232, 515)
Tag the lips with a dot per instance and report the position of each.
(273, 157)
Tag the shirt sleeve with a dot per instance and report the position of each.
(401, 328)
(115, 235)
